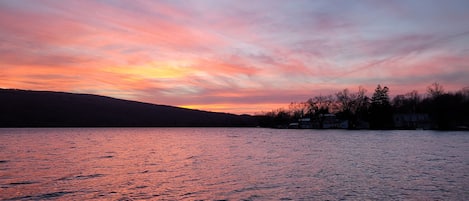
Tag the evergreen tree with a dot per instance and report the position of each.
(381, 110)
(380, 97)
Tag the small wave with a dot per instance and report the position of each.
(138, 187)
(89, 176)
(55, 194)
(125, 199)
(435, 159)
(82, 177)
(108, 156)
(43, 196)
(22, 183)
(188, 194)
(255, 189)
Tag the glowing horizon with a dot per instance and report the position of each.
(232, 56)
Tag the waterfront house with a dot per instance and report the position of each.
(412, 121)
(331, 121)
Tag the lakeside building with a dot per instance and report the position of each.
(412, 121)
(330, 121)
(326, 121)
(303, 123)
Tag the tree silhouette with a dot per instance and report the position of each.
(298, 109)
(439, 109)
(407, 103)
(435, 90)
(321, 104)
(381, 110)
(352, 106)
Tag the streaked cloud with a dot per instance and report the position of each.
(232, 56)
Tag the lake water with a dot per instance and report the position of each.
(232, 164)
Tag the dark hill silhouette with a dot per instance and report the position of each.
(24, 108)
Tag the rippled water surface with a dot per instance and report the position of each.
(232, 164)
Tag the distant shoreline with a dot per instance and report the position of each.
(196, 127)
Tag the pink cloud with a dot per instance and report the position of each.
(225, 55)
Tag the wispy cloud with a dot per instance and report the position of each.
(236, 56)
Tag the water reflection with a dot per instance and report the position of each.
(232, 164)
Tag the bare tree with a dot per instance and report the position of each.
(345, 100)
(298, 109)
(435, 90)
(321, 104)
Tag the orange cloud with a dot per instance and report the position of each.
(227, 56)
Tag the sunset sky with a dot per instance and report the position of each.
(239, 56)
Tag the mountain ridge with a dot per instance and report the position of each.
(29, 108)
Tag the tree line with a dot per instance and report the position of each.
(445, 110)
